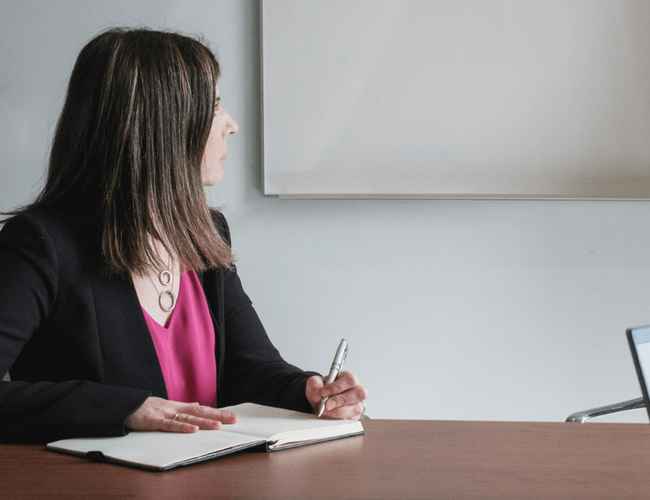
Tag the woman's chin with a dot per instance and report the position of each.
(212, 178)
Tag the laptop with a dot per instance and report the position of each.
(639, 340)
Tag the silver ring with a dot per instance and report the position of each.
(175, 416)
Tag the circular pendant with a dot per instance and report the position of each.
(166, 300)
(165, 277)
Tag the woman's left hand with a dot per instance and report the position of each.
(346, 396)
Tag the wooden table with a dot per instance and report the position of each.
(396, 459)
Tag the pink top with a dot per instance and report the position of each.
(185, 345)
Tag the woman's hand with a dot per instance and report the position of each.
(157, 414)
(346, 396)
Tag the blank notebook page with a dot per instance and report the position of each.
(265, 422)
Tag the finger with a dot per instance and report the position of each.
(169, 425)
(315, 383)
(202, 423)
(313, 387)
(207, 412)
(225, 416)
(350, 412)
(344, 381)
(350, 397)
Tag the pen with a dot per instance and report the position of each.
(335, 369)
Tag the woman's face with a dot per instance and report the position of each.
(216, 150)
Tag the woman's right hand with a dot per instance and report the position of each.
(157, 414)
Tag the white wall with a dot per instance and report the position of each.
(454, 309)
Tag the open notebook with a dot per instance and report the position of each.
(257, 425)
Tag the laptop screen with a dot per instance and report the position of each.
(639, 339)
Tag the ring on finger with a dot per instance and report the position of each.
(177, 416)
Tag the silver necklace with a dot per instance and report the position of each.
(166, 298)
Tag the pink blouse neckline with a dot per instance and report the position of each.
(185, 345)
(172, 315)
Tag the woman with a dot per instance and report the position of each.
(122, 308)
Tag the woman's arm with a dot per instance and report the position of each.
(45, 411)
(254, 369)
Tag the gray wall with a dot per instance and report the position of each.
(453, 309)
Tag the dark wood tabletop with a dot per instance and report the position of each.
(396, 459)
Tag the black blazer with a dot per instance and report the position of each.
(77, 348)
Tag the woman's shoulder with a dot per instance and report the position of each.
(66, 229)
(54, 226)
(53, 221)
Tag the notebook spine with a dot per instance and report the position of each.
(96, 456)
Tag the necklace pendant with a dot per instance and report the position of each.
(165, 277)
(166, 300)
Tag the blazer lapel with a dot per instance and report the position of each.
(212, 281)
(130, 357)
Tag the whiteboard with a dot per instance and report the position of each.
(456, 98)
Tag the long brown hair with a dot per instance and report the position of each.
(129, 143)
